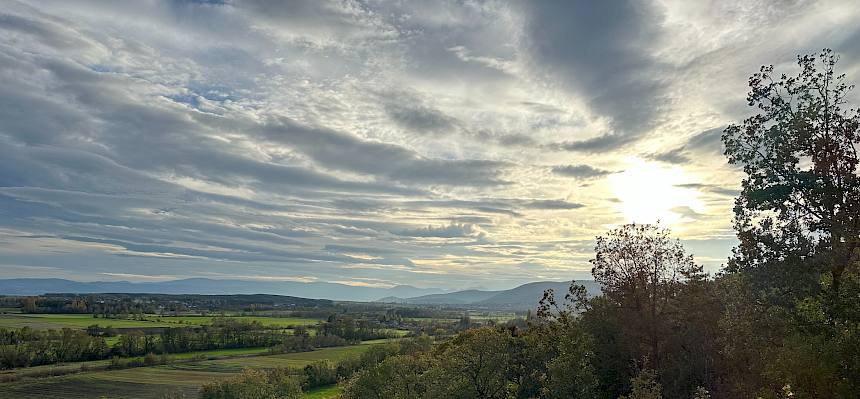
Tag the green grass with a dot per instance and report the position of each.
(328, 392)
(155, 382)
(77, 321)
(266, 321)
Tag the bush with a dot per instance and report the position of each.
(254, 384)
(150, 359)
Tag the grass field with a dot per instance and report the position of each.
(266, 321)
(155, 382)
(78, 321)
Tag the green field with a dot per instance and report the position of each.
(78, 321)
(264, 320)
(155, 382)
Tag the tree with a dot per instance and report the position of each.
(640, 269)
(792, 323)
(397, 377)
(474, 364)
(645, 386)
(254, 384)
(800, 157)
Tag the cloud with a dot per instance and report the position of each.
(712, 188)
(404, 142)
(413, 115)
(600, 51)
(341, 151)
(553, 204)
(706, 143)
(603, 143)
(675, 156)
(453, 230)
(580, 171)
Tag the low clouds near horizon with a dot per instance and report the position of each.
(446, 144)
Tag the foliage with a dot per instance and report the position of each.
(800, 157)
(254, 384)
(791, 315)
(645, 386)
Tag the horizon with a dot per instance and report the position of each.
(443, 145)
(440, 289)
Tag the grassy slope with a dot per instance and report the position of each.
(155, 382)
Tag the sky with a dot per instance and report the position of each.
(463, 144)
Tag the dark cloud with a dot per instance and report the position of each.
(603, 143)
(553, 204)
(580, 171)
(453, 230)
(600, 51)
(712, 188)
(706, 143)
(413, 115)
(674, 156)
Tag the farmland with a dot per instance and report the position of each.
(185, 378)
(81, 321)
(75, 321)
(147, 346)
(266, 321)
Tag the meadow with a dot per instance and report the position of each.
(173, 379)
(266, 321)
(74, 321)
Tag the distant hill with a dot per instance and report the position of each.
(453, 298)
(391, 299)
(333, 291)
(523, 297)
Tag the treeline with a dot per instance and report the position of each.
(27, 347)
(123, 305)
(352, 329)
(781, 320)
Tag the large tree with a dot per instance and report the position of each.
(641, 270)
(799, 153)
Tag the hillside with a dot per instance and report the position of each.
(458, 297)
(525, 296)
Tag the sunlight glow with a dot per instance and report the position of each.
(648, 193)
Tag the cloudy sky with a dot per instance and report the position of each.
(438, 144)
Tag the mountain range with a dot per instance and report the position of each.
(314, 290)
(522, 297)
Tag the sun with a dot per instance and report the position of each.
(648, 193)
